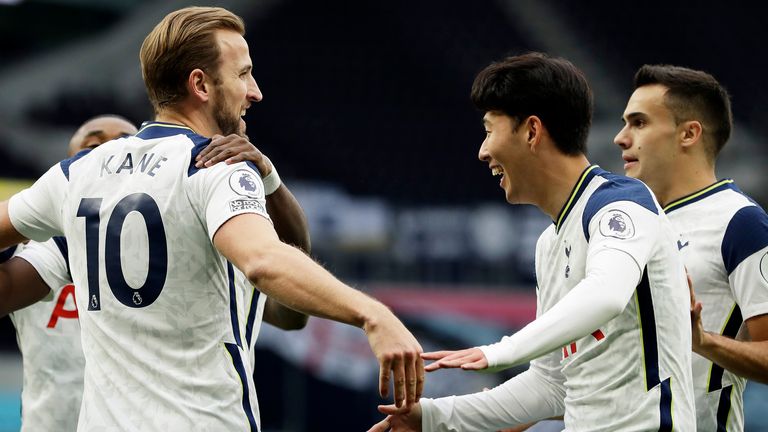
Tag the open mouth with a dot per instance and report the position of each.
(498, 171)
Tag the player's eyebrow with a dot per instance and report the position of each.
(631, 116)
(246, 68)
(94, 133)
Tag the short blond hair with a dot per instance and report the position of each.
(182, 42)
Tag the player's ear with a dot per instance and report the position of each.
(690, 132)
(534, 129)
(199, 85)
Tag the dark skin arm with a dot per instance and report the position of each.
(8, 234)
(20, 286)
(287, 215)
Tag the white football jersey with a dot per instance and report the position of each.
(724, 242)
(633, 373)
(164, 325)
(48, 334)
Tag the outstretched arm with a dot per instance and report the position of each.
(605, 291)
(292, 278)
(291, 227)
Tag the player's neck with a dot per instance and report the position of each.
(195, 120)
(684, 181)
(558, 181)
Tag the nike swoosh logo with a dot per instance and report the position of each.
(681, 245)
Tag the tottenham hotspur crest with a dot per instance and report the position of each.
(245, 183)
(617, 224)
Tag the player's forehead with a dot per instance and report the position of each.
(108, 125)
(99, 131)
(647, 99)
(233, 49)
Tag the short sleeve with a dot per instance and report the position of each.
(745, 255)
(50, 261)
(36, 211)
(626, 226)
(224, 191)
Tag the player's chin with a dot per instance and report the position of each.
(511, 196)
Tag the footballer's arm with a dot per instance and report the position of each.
(20, 285)
(519, 402)
(9, 236)
(288, 217)
(288, 275)
(292, 228)
(748, 359)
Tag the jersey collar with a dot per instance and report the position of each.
(700, 194)
(586, 176)
(154, 129)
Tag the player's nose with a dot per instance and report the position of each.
(622, 139)
(254, 92)
(483, 154)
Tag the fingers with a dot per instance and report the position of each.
(690, 290)
(232, 149)
(436, 355)
(381, 426)
(217, 155)
(451, 361)
(398, 370)
(411, 379)
(455, 359)
(388, 409)
(476, 365)
(420, 378)
(384, 378)
(215, 141)
(393, 409)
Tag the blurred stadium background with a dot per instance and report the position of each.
(366, 112)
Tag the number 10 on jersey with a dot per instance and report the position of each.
(145, 295)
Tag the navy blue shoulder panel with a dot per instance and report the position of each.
(746, 234)
(202, 142)
(65, 164)
(61, 243)
(6, 254)
(617, 188)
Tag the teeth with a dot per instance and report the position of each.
(497, 171)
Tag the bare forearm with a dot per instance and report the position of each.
(291, 227)
(293, 279)
(744, 358)
(289, 219)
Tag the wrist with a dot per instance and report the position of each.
(705, 345)
(373, 317)
(271, 181)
